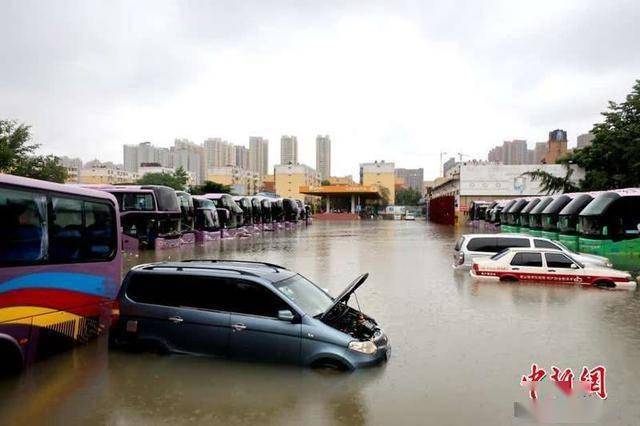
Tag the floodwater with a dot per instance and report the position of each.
(459, 347)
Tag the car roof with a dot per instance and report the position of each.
(264, 270)
(530, 249)
(500, 235)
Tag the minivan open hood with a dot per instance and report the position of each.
(346, 293)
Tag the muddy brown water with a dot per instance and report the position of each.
(459, 347)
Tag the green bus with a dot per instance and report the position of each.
(549, 216)
(610, 226)
(567, 223)
(535, 216)
(501, 216)
(524, 215)
(513, 216)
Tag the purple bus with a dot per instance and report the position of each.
(60, 267)
(187, 224)
(234, 217)
(207, 223)
(150, 215)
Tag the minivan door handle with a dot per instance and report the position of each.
(176, 320)
(238, 327)
(515, 269)
(551, 270)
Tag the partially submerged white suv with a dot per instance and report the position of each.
(471, 246)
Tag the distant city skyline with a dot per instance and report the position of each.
(418, 87)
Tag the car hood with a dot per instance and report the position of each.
(591, 258)
(346, 293)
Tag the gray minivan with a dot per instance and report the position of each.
(244, 310)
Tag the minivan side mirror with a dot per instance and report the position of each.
(574, 266)
(285, 315)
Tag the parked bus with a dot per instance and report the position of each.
(512, 216)
(524, 215)
(150, 215)
(247, 211)
(267, 215)
(610, 227)
(291, 213)
(235, 219)
(277, 212)
(60, 267)
(535, 216)
(566, 221)
(188, 217)
(501, 218)
(550, 214)
(207, 223)
(256, 211)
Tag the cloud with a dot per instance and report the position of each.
(399, 81)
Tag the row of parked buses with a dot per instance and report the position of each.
(605, 223)
(154, 216)
(61, 251)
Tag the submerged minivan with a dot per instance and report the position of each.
(472, 246)
(245, 310)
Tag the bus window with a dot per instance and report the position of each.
(100, 237)
(23, 221)
(66, 230)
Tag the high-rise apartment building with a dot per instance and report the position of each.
(539, 151)
(585, 140)
(189, 156)
(290, 177)
(413, 178)
(242, 156)
(216, 153)
(556, 147)
(288, 150)
(145, 152)
(323, 156)
(259, 155)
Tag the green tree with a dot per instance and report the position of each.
(210, 187)
(385, 197)
(176, 180)
(325, 182)
(42, 167)
(551, 184)
(408, 197)
(613, 158)
(17, 155)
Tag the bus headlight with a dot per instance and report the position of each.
(366, 347)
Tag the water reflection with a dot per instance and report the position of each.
(459, 346)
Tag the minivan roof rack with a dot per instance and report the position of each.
(272, 265)
(181, 268)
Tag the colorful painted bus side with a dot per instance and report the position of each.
(60, 268)
(610, 226)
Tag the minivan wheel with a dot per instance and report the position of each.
(509, 279)
(329, 364)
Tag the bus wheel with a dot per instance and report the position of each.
(11, 359)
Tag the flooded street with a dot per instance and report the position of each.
(459, 347)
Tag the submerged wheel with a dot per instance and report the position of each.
(329, 364)
(604, 284)
(11, 357)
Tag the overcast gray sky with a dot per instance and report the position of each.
(393, 80)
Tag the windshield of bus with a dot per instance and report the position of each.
(135, 201)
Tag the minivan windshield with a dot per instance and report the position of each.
(311, 299)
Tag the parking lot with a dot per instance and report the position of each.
(460, 348)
